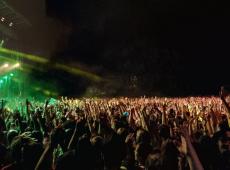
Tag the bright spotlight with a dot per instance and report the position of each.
(17, 65)
(11, 24)
(6, 65)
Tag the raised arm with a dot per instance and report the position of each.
(188, 149)
(45, 161)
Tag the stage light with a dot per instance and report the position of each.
(11, 74)
(17, 65)
(2, 19)
(1, 81)
(6, 65)
(11, 24)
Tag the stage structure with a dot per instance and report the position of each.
(11, 74)
(10, 21)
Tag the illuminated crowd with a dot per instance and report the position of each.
(116, 133)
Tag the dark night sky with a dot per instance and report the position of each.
(172, 47)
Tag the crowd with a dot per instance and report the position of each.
(117, 133)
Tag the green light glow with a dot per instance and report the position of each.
(17, 84)
(18, 81)
(25, 66)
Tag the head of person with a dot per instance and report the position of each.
(25, 151)
(84, 152)
(224, 142)
(37, 135)
(154, 161)
(164, 132)
(141, 152)
(10, 136)
(142, 136)
(223, 125)
(97, 146)
(224, 148)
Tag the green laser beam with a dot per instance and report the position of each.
(78, 72)
(42, 60)
(23, 55)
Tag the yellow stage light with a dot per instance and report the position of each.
(5, 65)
